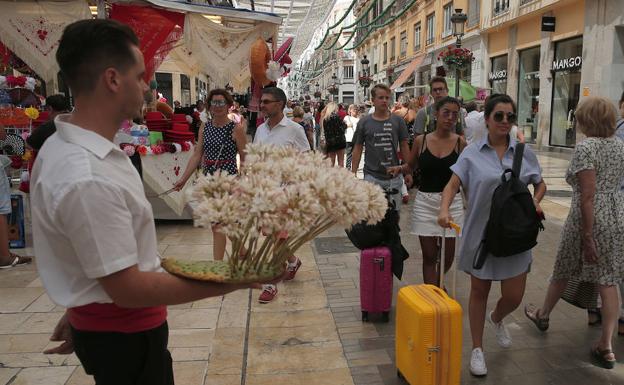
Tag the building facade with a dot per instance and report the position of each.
(409, 37)
(548, 55)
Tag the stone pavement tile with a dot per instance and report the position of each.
(191, 354)
(192, 252)
(43, 304)
(529, 360)
(189, 373)
(18, 298)
(221, 379)
(369, 357)
(35, 283)
(275, 358)
(297, 335)
(192, 318)
(39, 323)
(238, 299)
(322, 377)
(26, 360)
(44, 376)
(288, 319)
(591, 375)
(23, 343)
(19, 276)
(285, 301)
(227, 351)
(10, 322)
(208, 303)
(7, 374)
(79, 377)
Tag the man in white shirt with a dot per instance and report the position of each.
(278, 130)
(475, 124)
(93, 227)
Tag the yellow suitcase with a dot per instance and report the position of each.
(428, 335)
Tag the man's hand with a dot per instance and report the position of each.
(62, 332)
(409, 180)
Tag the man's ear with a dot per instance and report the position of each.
(112, 80)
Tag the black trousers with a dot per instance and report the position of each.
(126, 358)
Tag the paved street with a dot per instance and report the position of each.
(312, 333)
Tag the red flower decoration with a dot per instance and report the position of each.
(16, 81)
(142, 150)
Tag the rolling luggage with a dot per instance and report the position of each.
(376, 282)
(428, 334)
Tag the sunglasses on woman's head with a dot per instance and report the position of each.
(499, 115)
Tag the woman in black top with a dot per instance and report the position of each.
(433, 154)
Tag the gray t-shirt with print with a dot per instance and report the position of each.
(381, 140)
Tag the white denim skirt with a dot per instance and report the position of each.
(425, 214)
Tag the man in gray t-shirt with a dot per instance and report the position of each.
(425, 118)
(383, 134)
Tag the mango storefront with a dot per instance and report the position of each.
(541, 70)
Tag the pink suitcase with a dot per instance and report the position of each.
(376, 282)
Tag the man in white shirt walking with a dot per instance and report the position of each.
(93, 227)
(278, 130)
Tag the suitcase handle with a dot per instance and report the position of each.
(381, 263)
(457, 229)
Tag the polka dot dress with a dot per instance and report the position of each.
(219, 149)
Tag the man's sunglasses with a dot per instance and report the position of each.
(500, 115)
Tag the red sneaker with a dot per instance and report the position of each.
(292, 270)
(268, 293)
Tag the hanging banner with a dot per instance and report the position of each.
(158, 31)
(32, 30)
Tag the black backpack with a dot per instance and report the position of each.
(514, 224)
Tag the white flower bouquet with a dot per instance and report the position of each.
(281, 200)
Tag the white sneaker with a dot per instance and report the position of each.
(477, 363)
(502, 334)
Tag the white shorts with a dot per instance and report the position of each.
(425, 214)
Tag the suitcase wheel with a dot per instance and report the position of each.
(364, 316)
(385, 316)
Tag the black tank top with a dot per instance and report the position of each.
(435, 172)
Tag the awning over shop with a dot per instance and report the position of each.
(409, 70)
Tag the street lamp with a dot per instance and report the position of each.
(459, 20)
(333, 88)
(365, 79)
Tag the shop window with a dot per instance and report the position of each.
(566, 91)
(403, 50)
(528, 92)
(498, 75)
(417, 37)
(430, 29)
(448, 25)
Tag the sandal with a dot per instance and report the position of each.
(594, 317)
(600, 356)
(532, 313)
(17, 261)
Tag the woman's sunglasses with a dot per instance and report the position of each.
(218, 103)
(499, 115)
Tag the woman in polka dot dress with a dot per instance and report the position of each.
(220, 140)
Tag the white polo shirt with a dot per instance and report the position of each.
(90, 215)
(285, 133)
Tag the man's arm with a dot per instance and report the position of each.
(356, 155)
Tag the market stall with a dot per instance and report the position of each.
(205, 38)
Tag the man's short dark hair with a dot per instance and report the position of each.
(58, 103)
(277, 93)
(437, 79)
(88, 47)
(471, 106)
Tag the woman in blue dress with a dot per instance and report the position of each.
(478, 170)
(220, 140)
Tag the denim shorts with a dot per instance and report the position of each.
(394, 183)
